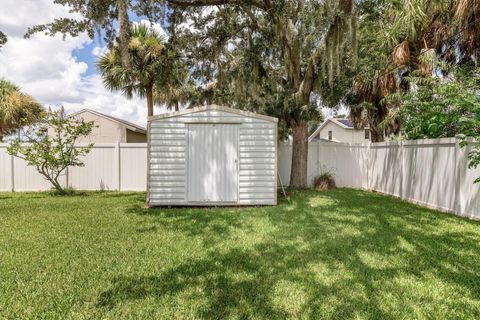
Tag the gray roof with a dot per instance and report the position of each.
(346, 122)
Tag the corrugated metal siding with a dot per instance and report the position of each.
(257, 163)
(167, 183)
(168, 154)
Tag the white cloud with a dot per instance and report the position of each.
(46, 68)
(95, 96)
(155, 26)
(16, 16)
(188, 24)
(99, 51)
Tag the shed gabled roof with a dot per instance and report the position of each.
(214, 107)
(130, 125)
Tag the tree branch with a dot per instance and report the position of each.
(252, 17)
(204, 3)
(346, 7)
(310, 72)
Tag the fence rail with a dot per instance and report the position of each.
(431, 172)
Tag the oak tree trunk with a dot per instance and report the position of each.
(149, 94)
(124, 33)
(298, 173)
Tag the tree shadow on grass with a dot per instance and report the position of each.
(193, 221)
(214, 275)
(335, 254)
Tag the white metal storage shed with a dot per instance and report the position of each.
(212, 156)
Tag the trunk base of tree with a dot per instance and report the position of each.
(376, 133)
(149, 94)
(298, 177)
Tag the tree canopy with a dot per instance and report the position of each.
(288, 58)
(271, 56)
(278, 57)
(397, 38)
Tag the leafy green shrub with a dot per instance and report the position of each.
(447, 106)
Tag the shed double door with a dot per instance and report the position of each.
(212, 168)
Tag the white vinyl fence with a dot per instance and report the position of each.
(431, 172)
(109, 166)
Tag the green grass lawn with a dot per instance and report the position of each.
(333, 255)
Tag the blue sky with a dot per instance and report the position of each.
(85, 54)
(56, 71)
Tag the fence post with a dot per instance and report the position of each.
(458, 162)
(119, 168)
(402, 171)
(368, 164)
(12, 172)
(318, 158)
(67, 180)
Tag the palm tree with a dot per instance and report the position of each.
(17, 109)
(415, 34)
(145, 57)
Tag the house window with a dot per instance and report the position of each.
(367, 134)
(330, 135)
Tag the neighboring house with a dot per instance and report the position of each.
(340, 130)
(110, 129)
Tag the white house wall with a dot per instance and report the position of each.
(105, 131)
(341, 134)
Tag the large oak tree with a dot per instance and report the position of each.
(270, 55)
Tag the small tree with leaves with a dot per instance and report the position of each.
(50, 146)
